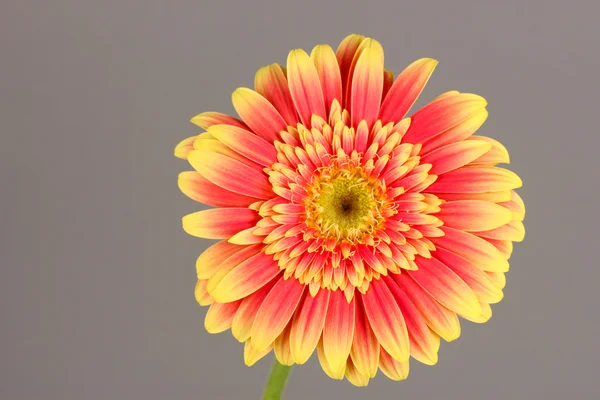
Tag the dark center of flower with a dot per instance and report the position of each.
(343, 203)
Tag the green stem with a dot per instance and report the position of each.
(276, 382)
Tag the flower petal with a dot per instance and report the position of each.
(207, 119)
(424, 344)
(246, 278)
(202, 296)
(307, 325)
(457, 133)
(241, 325)
(441, 320)
(388, 80)
(481, 284)
(260, 115)
(473, 215)
(333, 374)
(338, 331)
(281, 346)
(516, 205)
(200, 189)
(441, 115)
(497, 153)
(184, 147)
(513, 231)
(354, 376)
(445, 286)
(305, 86)
(271, 82)
(230, 263)
(219, 223)
(329, 73)
(391, 368)
(345, 55)
(454, 155)
(246, 143)
(386, 320)
(406, 89)
(219, 316)
(367, 86)
(231, 174)
(475, 249)
(275, 312)
(365, 346)
(251, 355)
(208, 262)
(476, 179)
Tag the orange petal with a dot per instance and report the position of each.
(230, 263)
(251, 355)
(496, 154)
(219, 223)
(333, 374)
(260, 115)
(498, 278)
(457, 133)
(445, 286)
(219, 316)
(270, 81)
(329, 73)
(367, 43)
(505, 247)
(486, 314)
(424, 344)
(365, 347)
(281, 346)
(386, 320)
(208, 262)
(212, 145)
(441, 320)
(354, 376)
(388, 80)
(208, 119)
(305, 86)
(441, 115)
(391, 368)
(367, 86)
(245, 237)
(339, 330)
(494, 197)
(307, 325)
(473, 215)
(481, 284)
(241, 326)
(246, 143)
(475, 249)
(345, 54)
(454, 155)
(275, 312)
(516, 205)
(246, 278)
(475, 179)
(198, 188)
(184, 147)
(513, 231)
(231, 174)
(202, 296)
(406, 89)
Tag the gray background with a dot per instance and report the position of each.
(96, 291)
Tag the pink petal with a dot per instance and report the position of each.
(406, 89)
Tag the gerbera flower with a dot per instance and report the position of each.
(345, 227)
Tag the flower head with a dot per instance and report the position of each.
(347, 228)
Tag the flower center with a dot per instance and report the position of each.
(343, 203)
